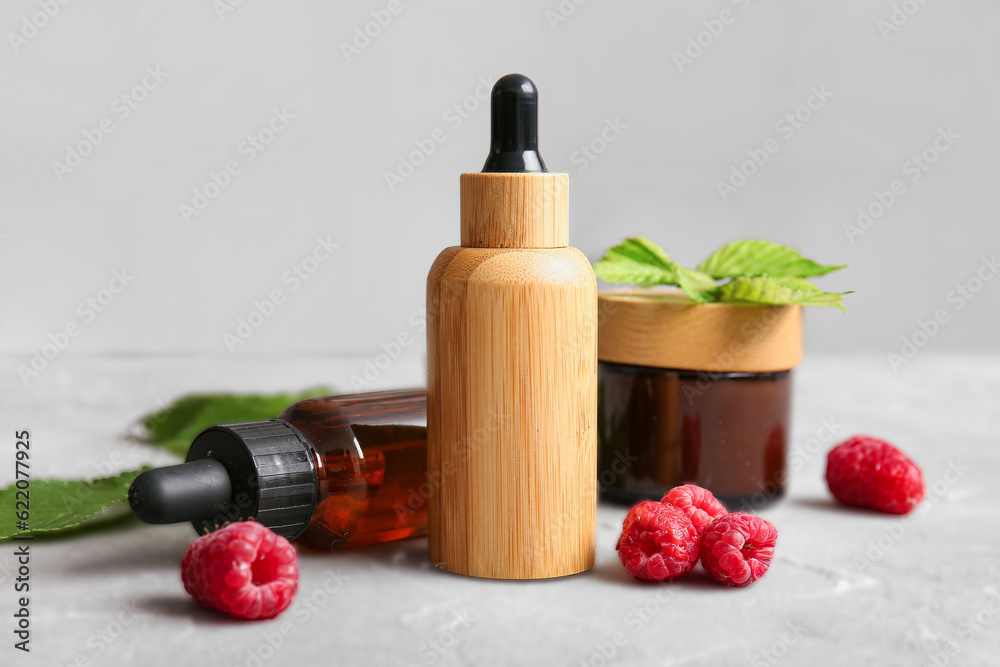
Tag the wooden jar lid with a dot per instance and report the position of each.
(665, 329)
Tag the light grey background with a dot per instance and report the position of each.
(680, 131)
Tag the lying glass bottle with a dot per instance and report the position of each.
(330, 473)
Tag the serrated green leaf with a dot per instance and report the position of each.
(54, 505)
(699, 286)
(771, 291)
(760, 272)
(175, 426)
(638, 261)
(742, 258)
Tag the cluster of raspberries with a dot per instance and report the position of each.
(663, 540)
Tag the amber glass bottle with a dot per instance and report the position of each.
(331, 473)
(371, 460)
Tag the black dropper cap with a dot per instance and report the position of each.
(263, 471)
(514, 127)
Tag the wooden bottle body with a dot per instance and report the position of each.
(512, 399)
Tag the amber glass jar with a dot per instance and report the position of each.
(694, 393)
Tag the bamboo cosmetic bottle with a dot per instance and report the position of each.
(512, 368)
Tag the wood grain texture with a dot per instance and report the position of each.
(512, 399)
(665, 329)
(515, 210)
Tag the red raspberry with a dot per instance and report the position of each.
(868, 472)
(698, 503)
(737, 548)
(243, 569)
(658, 542)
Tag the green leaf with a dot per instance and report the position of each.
(699, 286)
(638, 261)
(740, 258)
(175, 426)
(768, 290)
(642, 262)
(761, 271)
(54, 505)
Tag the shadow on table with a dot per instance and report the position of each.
(163, 552)
(831, 505)
(182, 606)
(406, 554)
(613, 572)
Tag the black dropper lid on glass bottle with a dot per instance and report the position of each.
(514, 127)
(263, 471)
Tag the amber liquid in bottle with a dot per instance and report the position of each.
(371, 458)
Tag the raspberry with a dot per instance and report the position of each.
(243, 569)
(698, 503)
(658, 542)
(737, 548)
(868, 472)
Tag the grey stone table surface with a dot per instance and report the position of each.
(847, 587)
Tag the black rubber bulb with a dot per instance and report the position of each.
(514, 127)
(185, 492)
